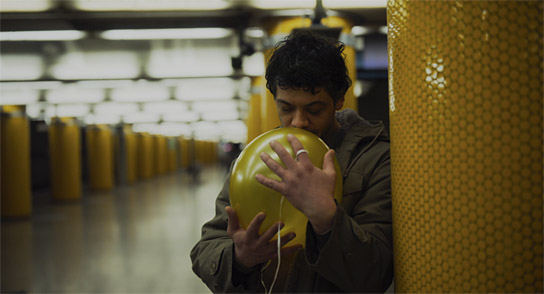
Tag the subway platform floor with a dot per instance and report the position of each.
(133, 239)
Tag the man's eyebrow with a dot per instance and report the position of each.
(316, 103)
(283, 101)
(308, 105)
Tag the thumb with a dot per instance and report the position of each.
(233, 223)
(328, 162)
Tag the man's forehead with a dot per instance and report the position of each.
(288, 95)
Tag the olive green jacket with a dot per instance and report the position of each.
(356, 255)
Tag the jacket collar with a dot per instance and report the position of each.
(360, 135)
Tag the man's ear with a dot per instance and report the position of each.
(339, 103)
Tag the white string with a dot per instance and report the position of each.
(279, 257)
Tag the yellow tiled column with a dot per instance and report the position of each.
(145, 162)
(466, 145)
(254, 111)
(172, 154)
(131, 154)
(160, 154)
(349, 51)
(100, 157)
(65, 151)
(185, 152)
(15, 162)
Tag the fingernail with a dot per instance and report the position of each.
(262, 216)
(290, 136)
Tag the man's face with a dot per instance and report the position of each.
(314, 113)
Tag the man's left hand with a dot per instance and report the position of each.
(308, 188)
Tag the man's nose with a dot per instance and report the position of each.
(300, 120)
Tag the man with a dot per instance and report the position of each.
(349, 245)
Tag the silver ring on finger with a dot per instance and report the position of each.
(300, 152)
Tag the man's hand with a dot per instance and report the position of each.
(250, 248)
(308, 188)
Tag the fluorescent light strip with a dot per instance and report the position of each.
(354, 3)
(60, 35)
(282, 4)
(141, 117)
(30, 85)
(156, 5)
(164, 34)
(26, 6)
(18, 97)
(102, 119)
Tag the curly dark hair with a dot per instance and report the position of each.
(307, 60)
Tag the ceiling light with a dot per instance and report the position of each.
(35, 111)
(175, 129)
(220, 116)
(73, 94)
(255, 32)
(156, 5)
(206, 89)
(26, 6)
(72, 110)
(115, 108)
(282, 4)
(106, 64)
(30, 85)
(18, 97)
(21, 66)
(105, 83)
(102, 119)
(215, 106)
(185, 116)
(206, 131)
(164, 34)
(141, 117)
(359, 30)
(233, 131)
(354, 3)
(145, 128)
(60, 35)
(165, 107)
(141, 92)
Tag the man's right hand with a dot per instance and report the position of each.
(250, 248)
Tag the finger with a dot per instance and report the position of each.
(285, 251)
(328, 162)
(287, 238)
(297, 145)
(271, 232)
(272, 164)
(290, 249)
(233, 223)
(270, 183)
(284, 155)
(255, 225)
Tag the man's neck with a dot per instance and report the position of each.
(329, 135)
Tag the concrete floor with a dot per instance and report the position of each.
(134, 239)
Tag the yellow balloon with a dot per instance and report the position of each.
(248, 197)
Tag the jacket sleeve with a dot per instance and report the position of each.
(358, 255)
(212, 256)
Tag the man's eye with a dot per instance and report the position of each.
(286, 109)
(314, 111)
